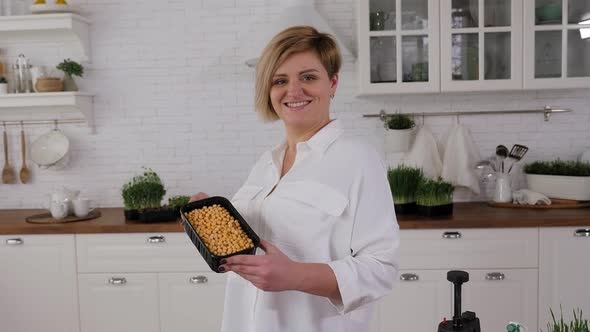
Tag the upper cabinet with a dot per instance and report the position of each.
(425, 46)
(557, 44)
(398, 46)
(481, 44)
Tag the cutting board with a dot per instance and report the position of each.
(555, 204)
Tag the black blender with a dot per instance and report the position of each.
(465, 322)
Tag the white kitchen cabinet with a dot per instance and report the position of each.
(481, 45)
(418, 302)
(398, 46)
(564, 271)
(119, 302)
(502, 295)
(146, 282)
(556, 44)
(191, 301)
(38, 283)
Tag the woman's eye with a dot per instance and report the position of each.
(278, 82)
(308, 77)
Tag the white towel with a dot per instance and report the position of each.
(459, 158)
(525, 196)
(424, 154)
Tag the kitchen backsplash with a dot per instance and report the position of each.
(173, 94)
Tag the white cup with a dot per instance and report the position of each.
(503, 192)
(82, 207)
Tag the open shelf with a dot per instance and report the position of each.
(48, 105)
(68, 28)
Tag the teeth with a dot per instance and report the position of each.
(298, 104)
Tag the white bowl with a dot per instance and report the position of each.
(50, 149)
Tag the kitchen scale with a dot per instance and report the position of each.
(462, 322)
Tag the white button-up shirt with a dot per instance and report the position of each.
(333, 206)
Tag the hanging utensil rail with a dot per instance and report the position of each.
(38, 122)
(547, 111)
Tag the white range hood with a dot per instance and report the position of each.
(297, 12)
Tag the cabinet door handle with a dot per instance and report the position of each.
(156, 239)
(582, 232)
(495, 276)
(198, 280)
(451, 235)
(14, 242)
(117, 281)
(409, 277)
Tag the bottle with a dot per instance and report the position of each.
(2, 68)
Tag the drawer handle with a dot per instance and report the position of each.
(156, 239)
(14, 242)
(198, 280)
(117, 281)
(583, 232)
(409, 277)
(451, 235)
(495, 276)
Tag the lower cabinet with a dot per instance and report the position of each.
(191, 301)
(564, 272)
(38, 283)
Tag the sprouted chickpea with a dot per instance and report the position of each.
(221, 233)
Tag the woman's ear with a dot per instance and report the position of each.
(333, 83)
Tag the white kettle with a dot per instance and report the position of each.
(61, 202)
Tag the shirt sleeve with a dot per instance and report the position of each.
(369, 272)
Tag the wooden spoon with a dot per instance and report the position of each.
(7, 171)
(25, 174)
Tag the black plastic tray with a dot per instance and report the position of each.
(211, 259)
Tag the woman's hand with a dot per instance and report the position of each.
(198, 196)
(272, 272)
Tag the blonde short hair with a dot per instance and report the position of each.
(287, 42)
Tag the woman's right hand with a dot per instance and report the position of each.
(198, 196)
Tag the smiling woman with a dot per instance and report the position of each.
(328, 233)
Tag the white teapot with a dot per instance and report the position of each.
(62, 199)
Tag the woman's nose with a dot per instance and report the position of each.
(294, 87)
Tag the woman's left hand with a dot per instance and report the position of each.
(272, 272)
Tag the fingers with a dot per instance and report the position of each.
(252, 260)
(198, 196)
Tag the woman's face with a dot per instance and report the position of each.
(301, 90)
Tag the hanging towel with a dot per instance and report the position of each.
(459, 159)
(424, 154)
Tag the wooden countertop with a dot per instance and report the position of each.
(465, 215)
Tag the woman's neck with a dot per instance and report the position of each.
(295, 136)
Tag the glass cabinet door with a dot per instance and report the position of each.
(481, 45)
(398, 46)
(558, 37)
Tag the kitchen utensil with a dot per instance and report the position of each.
(24, 174)
(502, 153)
(7, 172)
(51, 150)
(518, 151)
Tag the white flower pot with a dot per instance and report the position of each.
(558, 186)
(3, 88)
(398, 140)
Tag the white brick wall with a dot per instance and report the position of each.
(172, 94)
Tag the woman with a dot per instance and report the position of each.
(320, 200)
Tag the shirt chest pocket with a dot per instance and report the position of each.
(317, 196)
(243, 199)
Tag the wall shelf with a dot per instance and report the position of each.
(47, 106)
(68, 28)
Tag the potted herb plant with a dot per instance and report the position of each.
(3, 85)
(579, 324)
(70, 69)
(144, 194)
(403, 181)
(434, 198)
(176, 202)
(560, 179)
(398, 134)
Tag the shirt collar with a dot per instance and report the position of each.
(318, 142)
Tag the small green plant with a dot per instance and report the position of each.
(434, 192)
(558, 167)
(403, 181)
(176, 202)
(577, 325)
(399, 121)
(143, 191)
(3, 80)
(71, 68)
